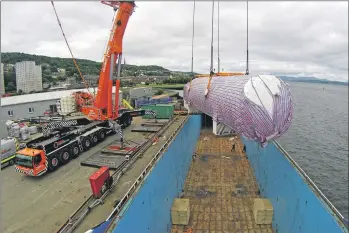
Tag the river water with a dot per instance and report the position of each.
(318, 138)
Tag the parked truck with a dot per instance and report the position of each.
(61, 141)
(9, 147)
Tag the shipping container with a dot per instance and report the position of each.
(163, 111)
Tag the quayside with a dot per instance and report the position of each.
(221, 186)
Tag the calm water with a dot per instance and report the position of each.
(318, 138)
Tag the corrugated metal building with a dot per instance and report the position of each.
(31, 105)
(138, 92)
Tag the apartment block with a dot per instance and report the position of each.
(28, 76)
(2, 81)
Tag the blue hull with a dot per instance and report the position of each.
(298, 205)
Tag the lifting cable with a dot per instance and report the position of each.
(211, 67)
(247, 70)
(192, 49)
(76, 64)
(192, 43)
(219, 61)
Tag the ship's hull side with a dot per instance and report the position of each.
(298, 204)
(149, 211)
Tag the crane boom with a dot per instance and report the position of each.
(103, 105)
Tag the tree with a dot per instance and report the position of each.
(10, 87)
(53, 69)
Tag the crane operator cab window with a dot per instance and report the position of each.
(24, 160)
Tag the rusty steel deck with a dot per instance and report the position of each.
(221, 187)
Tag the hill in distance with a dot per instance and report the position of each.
(86, 66)
(311, 80)
(93, 68)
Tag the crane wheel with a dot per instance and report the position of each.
(124, 123)
(64, 156)
(129, 121)
(53, 163)
(101, 135)
(94, 138)
(75, 150)
(12, 161)
(86, 143)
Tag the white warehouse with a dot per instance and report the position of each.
(31, 105)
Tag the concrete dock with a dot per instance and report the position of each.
(101, 212)
(43, 204)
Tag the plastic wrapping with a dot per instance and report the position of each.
(24, 132)
(14, 131)
(259, 108)
(33, 129)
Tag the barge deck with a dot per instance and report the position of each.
(221, 188)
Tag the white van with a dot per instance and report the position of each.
(9, 147)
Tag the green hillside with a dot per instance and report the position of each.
(51, 66)
(86, 66)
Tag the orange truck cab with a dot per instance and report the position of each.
(31, 162)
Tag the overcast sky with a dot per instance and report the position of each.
(295, 38)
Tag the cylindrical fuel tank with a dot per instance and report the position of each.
(257, 107)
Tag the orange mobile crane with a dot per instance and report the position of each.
(102, 107)
(65, 139)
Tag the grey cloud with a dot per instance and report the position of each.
(304, 38)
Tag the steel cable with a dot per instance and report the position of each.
(75, 63)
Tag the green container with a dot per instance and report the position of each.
(163, 111)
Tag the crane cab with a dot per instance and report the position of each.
(31, 162)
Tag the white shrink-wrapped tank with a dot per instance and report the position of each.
(257, 107)
(66, 105)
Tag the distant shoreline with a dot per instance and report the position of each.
(311, 80)
(320, 82)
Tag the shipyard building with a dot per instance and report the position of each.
(33, 105)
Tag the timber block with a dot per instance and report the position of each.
(263, 211)
(180, 211)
